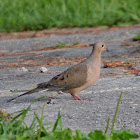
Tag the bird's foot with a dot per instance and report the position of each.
(75, 97)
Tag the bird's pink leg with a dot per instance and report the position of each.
(75, 97)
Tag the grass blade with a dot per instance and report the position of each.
(116, 111)
(41, 122)
(107, 125)
(58, 123)
(22, 114)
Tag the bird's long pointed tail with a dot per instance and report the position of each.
(28, 92)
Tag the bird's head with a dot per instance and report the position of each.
(99, 47)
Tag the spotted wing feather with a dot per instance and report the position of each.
(71, 78)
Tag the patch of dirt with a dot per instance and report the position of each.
(136, 72)
(58, 31)
(129, 65)
(42, 49)
(113, 64)
(49, 61)
(5, 115)
(130, 45)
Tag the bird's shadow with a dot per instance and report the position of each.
(32, 99)
(23, 100)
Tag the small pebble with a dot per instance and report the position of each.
(43, 69)
(59, 92)
(23, 69)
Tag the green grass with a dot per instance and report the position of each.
(21, 15)
(14, 91)
(137, 37)
(128, 62)
(61, 45)
(66, 45)
(16, 129)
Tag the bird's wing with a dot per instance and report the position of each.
(73, 77)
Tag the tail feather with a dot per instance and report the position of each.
(28, 92)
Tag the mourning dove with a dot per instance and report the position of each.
(76, 78)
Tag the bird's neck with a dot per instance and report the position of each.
(95, 56)
(95, 59)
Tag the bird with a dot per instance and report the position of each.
(76, 78)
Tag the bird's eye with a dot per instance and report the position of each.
(102, 46)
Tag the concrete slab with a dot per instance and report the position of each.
(104, 94)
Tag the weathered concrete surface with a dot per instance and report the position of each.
(31, 53)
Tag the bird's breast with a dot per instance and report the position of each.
(93, 74)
